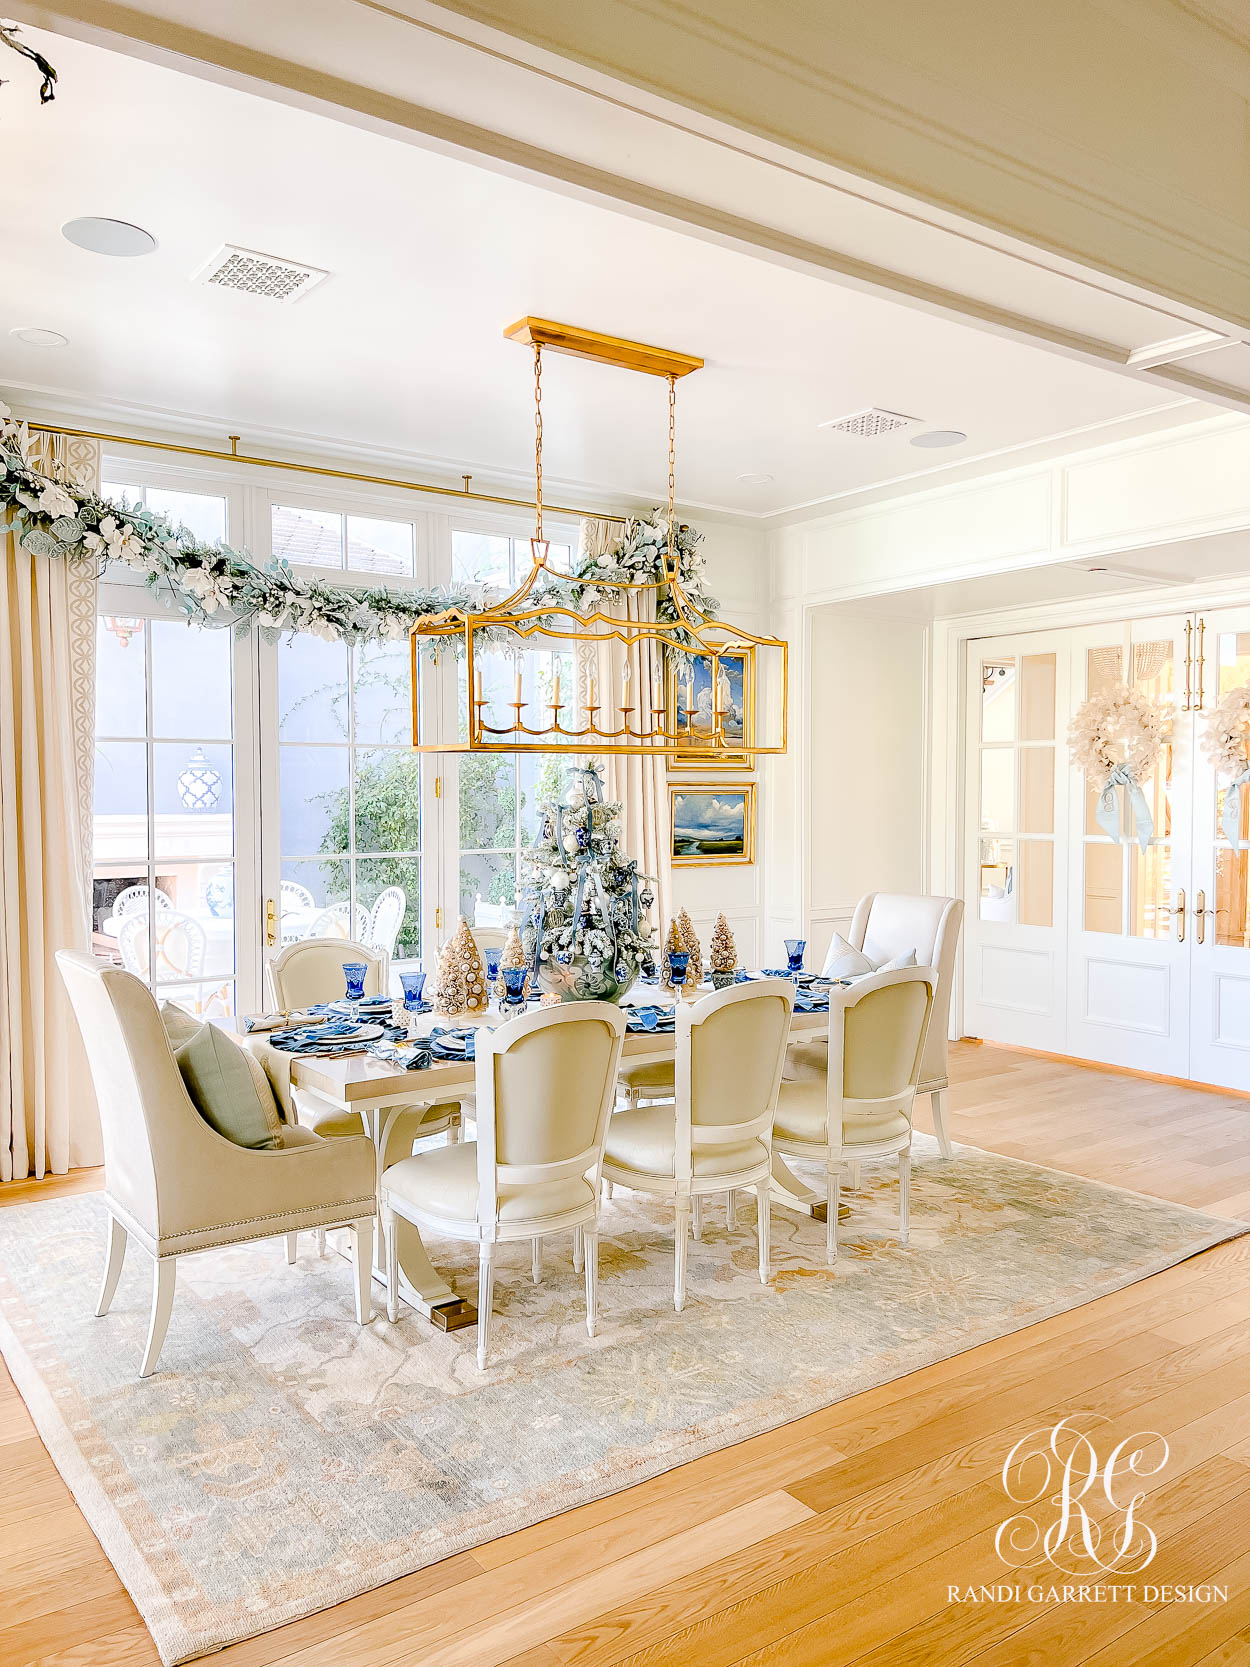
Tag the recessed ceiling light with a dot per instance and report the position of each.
(108, 237)
(34, 336)
(755, 479)
(939, 437)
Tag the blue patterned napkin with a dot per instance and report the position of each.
(662, 1020)
(453, 1044)
(372, 1008)
(409, 1056)
(811, 1001)
(323, 1038)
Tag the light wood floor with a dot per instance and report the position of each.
(833, 1539)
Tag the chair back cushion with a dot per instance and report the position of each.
(229, 1089)
(550, 1087)
(883, 1034)
(312, 970)
(888, 924)
(735, 1058)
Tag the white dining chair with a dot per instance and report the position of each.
(885, 925)
(714, 1135)
(175, 1185)
(860, 1109)
(140, 897)
(341, 920)
(176, 956)
(544, 1086)
(385, 919)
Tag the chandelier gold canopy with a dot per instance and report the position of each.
(649, 674)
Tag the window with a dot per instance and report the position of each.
(495, 559)
(164, 853)
(202, 513)
(349, 791)
(324, 538)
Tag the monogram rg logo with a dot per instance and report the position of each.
(1081, 1512)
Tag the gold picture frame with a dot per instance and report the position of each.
(737, 687)
(705, 836)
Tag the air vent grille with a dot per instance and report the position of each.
(269, 276)
(870, 423)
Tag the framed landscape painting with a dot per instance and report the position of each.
(712, 823)
(690, 697)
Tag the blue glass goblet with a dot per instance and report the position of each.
(492, 967)
(355, 972)
(413, 986)
(514, 985)
(678, 966)
(795, 948)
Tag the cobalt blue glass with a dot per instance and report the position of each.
(413, 985)
(794, 950)
(678, 965)
(514, 985)
(355, 972)
(492, 965)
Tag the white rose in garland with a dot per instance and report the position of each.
(1116, 738)
(1226, 744)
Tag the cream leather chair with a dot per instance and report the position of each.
(545, 1084)
(311, 970)
(173, 1183)
(887, 924)
(861, 1107)
(714, 1136)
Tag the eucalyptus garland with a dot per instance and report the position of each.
(217, 586)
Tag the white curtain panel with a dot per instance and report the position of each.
(48, 1119)
(640, 784)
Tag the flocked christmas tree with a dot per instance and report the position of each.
(586, 931)
(722, 952)
(690, 943)
(461, 985)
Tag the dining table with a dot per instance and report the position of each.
(378, 1091)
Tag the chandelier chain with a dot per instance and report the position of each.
(538, 442)
(672, 477)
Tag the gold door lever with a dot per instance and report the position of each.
(1179, 912)
(1201, 911)
(271, 922)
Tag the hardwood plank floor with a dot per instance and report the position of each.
(834, 1539)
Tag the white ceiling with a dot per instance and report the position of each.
(401, 349)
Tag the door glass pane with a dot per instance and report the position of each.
(193, 793)
(1036, 886)
(1150, 895)
(1244, 818)
(998, 700)
(120, 675)
(306, 889)
(382, 708)
(388, 800)
(479, 558)
(1037, 697)
(314, 801)
(379, 546)
(1152, 668)
(390, 888)
(1037, 789)
(307, 537)
(120, 838)
(312, 689)
(1104, 667)
(1104, 887)
(487, 802)
(191, 693)
(490, 876)
(1234, 658)
(1232, 892)
(998, 879)
(998, 789)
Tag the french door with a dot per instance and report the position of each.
(1077, 942)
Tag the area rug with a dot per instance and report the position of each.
(282, 1459)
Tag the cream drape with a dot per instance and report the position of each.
(639, 784)
(48, 1119)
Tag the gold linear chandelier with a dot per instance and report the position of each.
(686, 686)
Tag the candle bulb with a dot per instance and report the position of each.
(591, 698)
(517, 697)
(555, 691)
(477, 686)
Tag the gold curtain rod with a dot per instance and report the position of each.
(234, 455)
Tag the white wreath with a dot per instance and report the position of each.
(1226, 744)
(1116, 738)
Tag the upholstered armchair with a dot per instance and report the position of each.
(545, 1083)
(172, 1182)
(713, 1136)
(861, 1108)
(887, 924)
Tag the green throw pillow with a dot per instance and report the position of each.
(180, 1026)
(226, 1091)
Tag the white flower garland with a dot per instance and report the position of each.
(1119, 729)
(215, 585)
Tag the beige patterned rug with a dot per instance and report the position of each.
(282, 1459)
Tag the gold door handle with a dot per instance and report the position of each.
(1201, 911)
(271, 922)
(1189, 644)
(1202, 631)
(1179, 911)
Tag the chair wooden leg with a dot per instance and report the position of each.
(939, 1122)
(536, 1259)
(763, 1225)
(904, 1196)
(579, 1249)
(362, 1268)
(453, 1131)
(852, 1176)
(162, 1303)
(834, 1197)
(485, 1298)
(731, 1212)
(681, 1232)
(698, 1215)
(391, 1234)
(321, 1241)
(292, 1247)
(607, 1191)
(591, 1257)
(114, 1256)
